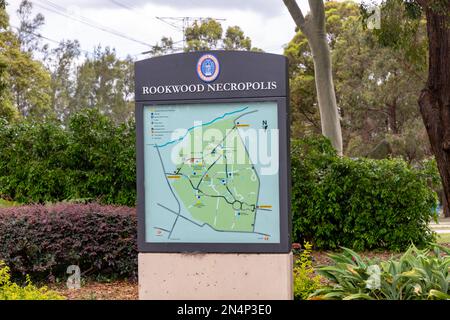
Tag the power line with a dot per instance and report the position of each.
(132, 9)
(47, 38)
(125, 6)
(35, 34)
(164, 20)
(62, 11)
(52, 7)
(178, 23)
(182, 23)
(89, 53)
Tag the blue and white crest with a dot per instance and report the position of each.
(208, 68)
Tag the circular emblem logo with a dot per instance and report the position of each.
(208, 68)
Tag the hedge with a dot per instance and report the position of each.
(336, 201)
(358, 203)
(44, 240)
(89, 158)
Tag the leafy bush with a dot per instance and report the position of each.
(12, 291)
(90, 158)
(45, 240)
(357, 203)
(361, 204)
(305, 283)
(417, 275)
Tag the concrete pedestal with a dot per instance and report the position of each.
(215, 276)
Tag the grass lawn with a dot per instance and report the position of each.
(4, 203)
(443, 238)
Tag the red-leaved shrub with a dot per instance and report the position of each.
(44, 240)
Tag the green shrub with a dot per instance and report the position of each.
(362, 204)
(305, 282)
(417, 275)
(44, 241)
(90, 158)
(12, 291)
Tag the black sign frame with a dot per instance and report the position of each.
(186, 61)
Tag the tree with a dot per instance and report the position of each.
(105, 82)
(28, 32)
(163, 47)
(26, 79)
(313, 27)
(208, 35)
(434, 98)
(376, 87)
(7, 109)
(236, 40)
(204, 35)
(305, 119)
(63, 83)
(30, 83)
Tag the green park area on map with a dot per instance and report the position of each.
(205, 178)
(216, 188)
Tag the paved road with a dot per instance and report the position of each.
(443, 226)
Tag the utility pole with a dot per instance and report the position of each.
(182, 23)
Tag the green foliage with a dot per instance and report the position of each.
(305, 113)
(377, 86)
(402, 29)
(90, 158)
(24, 82)
(417, 275)
(236, 40)
(106, 83)
(305, 282)
(62, 61)
(430, 171)
(12, 291)
(208, 34)
(165, 46)
(378, 89)
(29, 26)
(203, 35)
(357, 203)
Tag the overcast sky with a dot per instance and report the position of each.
(267, 22)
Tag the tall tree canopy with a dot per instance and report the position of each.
(208, 35)
(305, 113)
(7, 108)
(106, 83)
(313, 27)
(62, 64)
(375, 85)
(434, 98)
(25, 81)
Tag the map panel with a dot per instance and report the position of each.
(211, 173)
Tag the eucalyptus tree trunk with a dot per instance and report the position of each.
(313, 27)
(434, 100)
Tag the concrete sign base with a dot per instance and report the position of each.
(177, 276)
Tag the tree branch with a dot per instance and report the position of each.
(296, 13)
(318, 12)
(423, 3)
